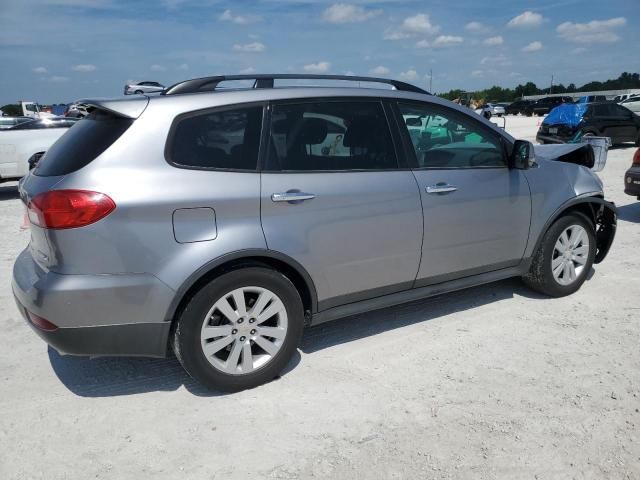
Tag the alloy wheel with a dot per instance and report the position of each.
(244, 330)
(570, 254)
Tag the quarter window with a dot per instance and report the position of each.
(329, 136)
(443, 139)
(226, 139)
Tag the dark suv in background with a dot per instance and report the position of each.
(519, 106)
(598, 119)
(545, 105)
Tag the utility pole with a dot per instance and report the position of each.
(430, 80)
(551, 86)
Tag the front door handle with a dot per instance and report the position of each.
(292, 197)
(441, 188)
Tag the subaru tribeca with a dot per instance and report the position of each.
(221, 222)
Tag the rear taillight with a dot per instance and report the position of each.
(41, 323)
(69, 208)
(636, 158)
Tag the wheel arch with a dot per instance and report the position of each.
(286, 265)
(596, 209)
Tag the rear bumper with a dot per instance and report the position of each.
(632, 182)
(95, 314)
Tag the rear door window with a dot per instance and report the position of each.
(225, 139)
(330, 136)
(82, 143)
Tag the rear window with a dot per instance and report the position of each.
(225, 140)
(79, 146)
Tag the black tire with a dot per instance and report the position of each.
(186, 340)
(540, 276)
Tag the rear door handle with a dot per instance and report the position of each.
(292, 197)
(441, 188)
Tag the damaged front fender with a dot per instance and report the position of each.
(606, 216)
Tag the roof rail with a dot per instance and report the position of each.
(209, 84)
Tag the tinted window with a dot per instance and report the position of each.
(226, 139)
(87, 139)
(444, 139)
(330, 136)
(603, 110)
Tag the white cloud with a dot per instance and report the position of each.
(412, 26)
(346, 13)
(515, 74)
(379, 70)
(477, 73)
(419, 23)
(533, 47)
(320, 67)
(494, 41)
(596, 31)
(498, 60)
(229, 16)
(40, 70)
(409, 75)
(157, 68)
(578, 50)
(183, 66)
(447, 41)
(84, 67)
(476, 27)
(247, 71)
(423, 44)
(525, 20)
(58, 79)
(253, 47)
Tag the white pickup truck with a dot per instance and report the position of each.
(26, 143)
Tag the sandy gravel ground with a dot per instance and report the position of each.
(493, 382)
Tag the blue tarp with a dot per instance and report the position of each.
(566, 114)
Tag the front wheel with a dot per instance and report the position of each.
(564, 257)
(240, 330)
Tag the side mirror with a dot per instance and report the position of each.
(413, 122)
(523, 156)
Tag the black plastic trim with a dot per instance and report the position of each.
(413, 294)
(239, 255)
(209, 84)
(130, 340)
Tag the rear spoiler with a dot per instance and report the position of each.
(122, 107)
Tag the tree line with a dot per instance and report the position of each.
(499, 94)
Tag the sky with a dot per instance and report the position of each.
(56, 51)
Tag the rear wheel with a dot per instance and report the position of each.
(240, 330)
(564, 257)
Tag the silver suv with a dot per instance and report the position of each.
(220, 222)
(143, 87)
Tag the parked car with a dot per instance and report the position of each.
(622, 98)
(632, 103)
(572, 121)
(22, 145)
(143, 87)
(8, 122)
(176, 220)
(517, 107)
(489, 110)
(545, 105)
(592, 99)
(632, 177)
